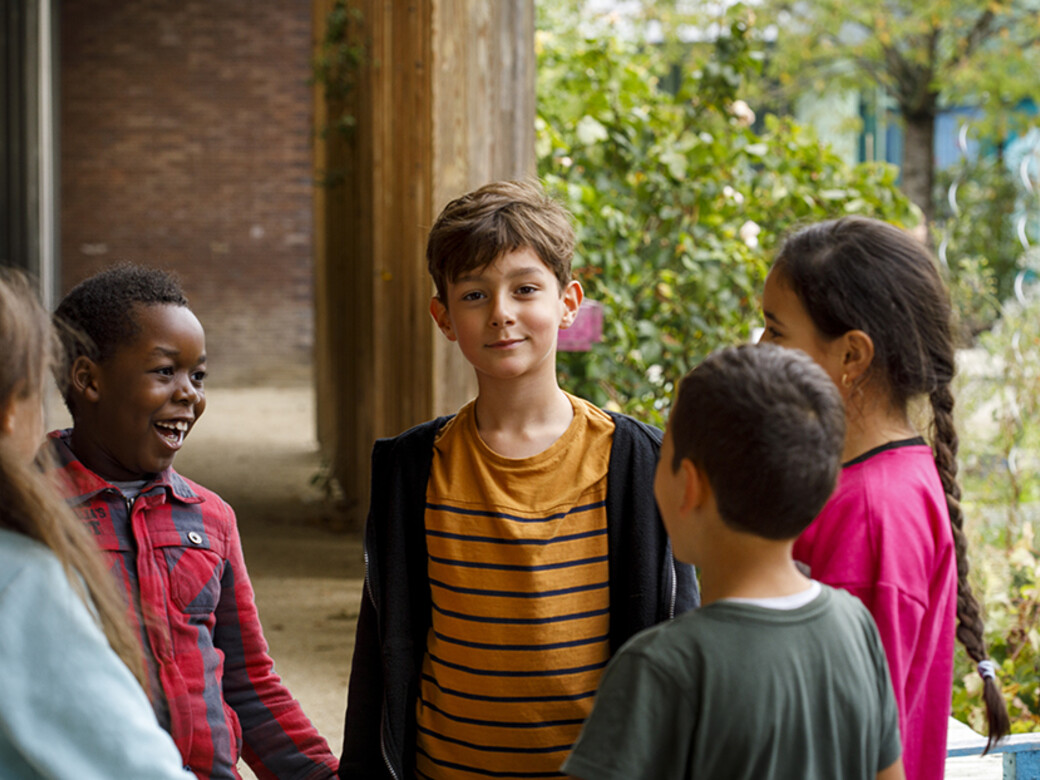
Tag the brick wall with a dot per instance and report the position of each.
(186, 144)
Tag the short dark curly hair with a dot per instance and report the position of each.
(96, 317)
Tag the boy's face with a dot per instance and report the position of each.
(670, 490)
(506, 316)
(135, 409)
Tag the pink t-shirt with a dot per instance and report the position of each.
(885, 537)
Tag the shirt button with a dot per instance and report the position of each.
(194, 537)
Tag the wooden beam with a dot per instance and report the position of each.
(444, 103)
(483, 129)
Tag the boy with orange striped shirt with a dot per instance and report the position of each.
(513, 547)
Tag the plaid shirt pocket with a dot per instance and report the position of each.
(193, 571)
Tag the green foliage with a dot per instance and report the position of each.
(978, 238)
(924, 54)
(982, 51)
(1009, 583)
(337, 66)
(678, 199)
(340, 56)
(667, 187)
(999, 391)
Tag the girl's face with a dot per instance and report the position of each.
(788, 324)
(23, 423)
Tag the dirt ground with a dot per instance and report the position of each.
(256, 448)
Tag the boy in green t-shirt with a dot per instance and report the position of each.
(776, 675)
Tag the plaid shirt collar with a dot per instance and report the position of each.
(82, 484)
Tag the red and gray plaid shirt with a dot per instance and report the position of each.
(176, 551)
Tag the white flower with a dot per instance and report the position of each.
(590, 131)
(742, 112)
(749, 233)
(654, 374)
(731, 194)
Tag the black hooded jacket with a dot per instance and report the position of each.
(647, 586)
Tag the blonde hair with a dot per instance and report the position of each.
(31, 505)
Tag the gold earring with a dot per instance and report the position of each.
(845, 381)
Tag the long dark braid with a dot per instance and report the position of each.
(969, 615)
(856, 273)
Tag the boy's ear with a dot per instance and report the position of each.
(857, 355)
(440, 315)
(572, 297)
(696, 489)
(83, 379)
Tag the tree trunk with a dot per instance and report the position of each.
(919, 161)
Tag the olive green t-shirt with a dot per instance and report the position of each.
(742, 691)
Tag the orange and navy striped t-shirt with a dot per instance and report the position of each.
(519, 577)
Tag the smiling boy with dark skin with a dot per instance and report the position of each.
(141, 433)
(135, 366)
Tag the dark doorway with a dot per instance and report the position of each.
(14, 162)
(28, 235)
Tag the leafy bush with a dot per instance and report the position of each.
(999, 392)
(976, 236)
(985, 210)
(679, 195)
(1009, 582)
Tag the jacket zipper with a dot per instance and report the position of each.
(382, 745)
(675, 580)
(382, 714)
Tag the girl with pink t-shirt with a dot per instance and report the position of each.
(866, 301)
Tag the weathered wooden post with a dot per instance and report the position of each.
(444, 102)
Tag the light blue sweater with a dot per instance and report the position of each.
(69, 708)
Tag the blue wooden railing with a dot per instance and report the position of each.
(1021, 752)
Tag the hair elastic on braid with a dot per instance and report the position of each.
(987, 669)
